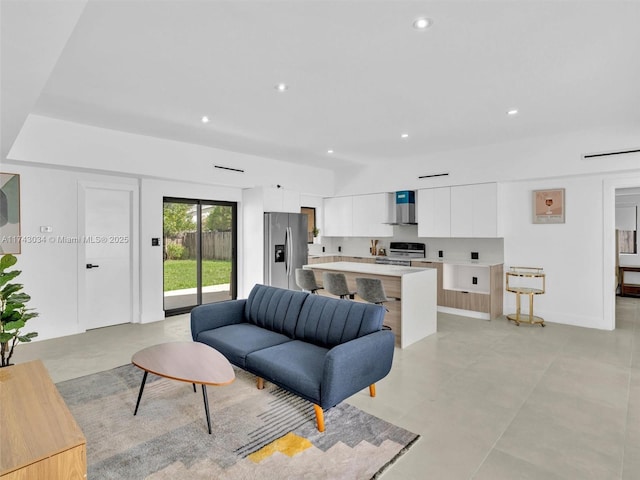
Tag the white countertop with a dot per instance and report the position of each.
(368, 268)
(438, 260)
(459, 262)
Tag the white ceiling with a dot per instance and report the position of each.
(359, 74)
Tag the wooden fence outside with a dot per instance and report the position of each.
(215, 245)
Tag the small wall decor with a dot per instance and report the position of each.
(548, 206)
(10, 213)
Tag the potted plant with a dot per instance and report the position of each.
(13, 312)
(315, 233)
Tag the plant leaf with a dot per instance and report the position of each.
(8, 276)
(9, 289)
(5, 337)
(15, 325)
(19, 298)
(7, 261)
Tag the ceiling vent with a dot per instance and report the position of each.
(231, 169)
(613, 153)
(433, 175)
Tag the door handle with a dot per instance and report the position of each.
(286, 250)
(89, 265)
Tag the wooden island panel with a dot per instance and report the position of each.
(412, 292)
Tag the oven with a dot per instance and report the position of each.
(401, 253)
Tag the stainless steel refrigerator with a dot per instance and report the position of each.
(285, 248)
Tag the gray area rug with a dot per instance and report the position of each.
(266, 434)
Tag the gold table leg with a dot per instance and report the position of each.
(517, 317)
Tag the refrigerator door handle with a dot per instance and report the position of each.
(286, 250)
(290, 251)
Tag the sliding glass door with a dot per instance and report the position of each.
(199, 253)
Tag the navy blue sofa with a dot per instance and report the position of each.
(320, 348)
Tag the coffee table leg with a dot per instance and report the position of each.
(144, 379)
(206, 406)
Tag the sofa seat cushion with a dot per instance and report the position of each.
(297, 366)
(237, 341)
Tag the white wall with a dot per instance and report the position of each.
(151, 270)
(68, 144)
(49, 197)
(570, 253)
(543, 157)
(578, 255)
(52, 156)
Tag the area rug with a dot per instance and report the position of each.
(266, 434)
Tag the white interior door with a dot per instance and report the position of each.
(107, 263)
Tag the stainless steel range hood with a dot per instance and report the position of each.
(402, 208)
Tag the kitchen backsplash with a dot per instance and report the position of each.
(489, 249)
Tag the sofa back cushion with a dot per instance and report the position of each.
(275, 309)
(328, 322)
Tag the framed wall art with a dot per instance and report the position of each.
(548, 206)
(9, 213)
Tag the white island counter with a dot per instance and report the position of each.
(413, 310)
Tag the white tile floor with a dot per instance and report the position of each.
(490, 400)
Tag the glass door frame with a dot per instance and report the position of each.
(233, 285)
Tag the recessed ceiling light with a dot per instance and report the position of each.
(512, 112)
(205, 119)
(404, 135)
(422, 23)
(282, 87)
(329, 151)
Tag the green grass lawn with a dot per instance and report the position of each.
(179, 274)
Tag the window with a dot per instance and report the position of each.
(626, 228)
(311, 219)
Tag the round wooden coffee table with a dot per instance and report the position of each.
(189, 362)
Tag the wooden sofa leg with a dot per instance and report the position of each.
(319, 417)
(372, 390)
(260, 383)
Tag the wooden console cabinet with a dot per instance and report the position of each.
(627, 287)
(40, 438)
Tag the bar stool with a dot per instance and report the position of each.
(336, 284)
(371, 290)
(306, 280)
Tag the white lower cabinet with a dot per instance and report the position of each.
(456, 287)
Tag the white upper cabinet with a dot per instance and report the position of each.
(464, 211)
(357, 216)
(474, 210)
(281, 200)
(434, 212)
(338, 217)
(485, 210)
(369, 214)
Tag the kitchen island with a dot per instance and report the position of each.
(412, 291)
